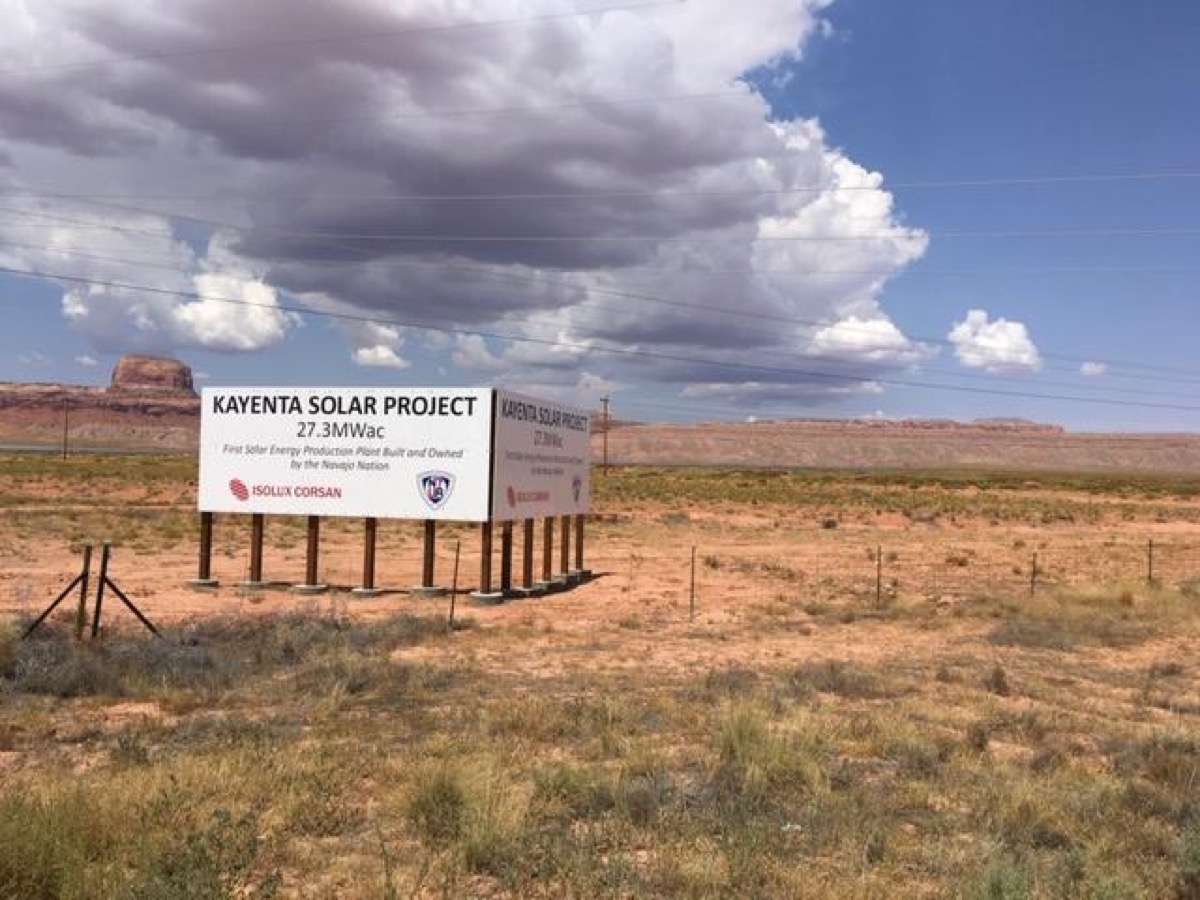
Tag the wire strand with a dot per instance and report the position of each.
(591, 347)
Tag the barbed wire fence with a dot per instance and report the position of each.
(874, 574)
(695, 572)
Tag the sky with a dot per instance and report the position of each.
(705, 210)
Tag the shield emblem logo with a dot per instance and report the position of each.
(435, 488)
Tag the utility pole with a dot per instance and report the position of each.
(66, 423)
(604, 467)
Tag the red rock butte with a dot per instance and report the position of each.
(148, 374)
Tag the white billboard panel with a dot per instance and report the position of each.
(541, 459)
(400, 453)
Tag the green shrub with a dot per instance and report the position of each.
(437, 808)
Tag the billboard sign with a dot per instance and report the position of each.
(402, 453)
(541, 459)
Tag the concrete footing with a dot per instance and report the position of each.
(487, 598)
(525, 592)
(428, 591)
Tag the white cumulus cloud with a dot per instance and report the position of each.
(997, 346)
(1093, 369)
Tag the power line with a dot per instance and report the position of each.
(638, 194)
(590, 347)
(639, 297)
(691, 307)
(640, 239)
(808, 324)
(691, 270)
(292, 43)
(218, 224)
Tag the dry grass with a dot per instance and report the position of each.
(309, 757)
(797, 740)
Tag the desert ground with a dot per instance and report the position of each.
(894, 684)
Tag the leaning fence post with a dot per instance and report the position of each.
(101, 583)
(80, 579)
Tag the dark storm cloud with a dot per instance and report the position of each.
(312, 146)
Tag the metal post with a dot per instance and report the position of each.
(81, 610)
(1033, 574)
(506, 555)
(604, 466)
(1150, 563)
(692, 597)
(312, 558)
(453, 587)
(527, 559)
(100, 584)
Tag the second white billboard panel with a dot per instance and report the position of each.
(541, 459)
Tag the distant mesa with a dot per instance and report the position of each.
(151, 375)
(151, 403)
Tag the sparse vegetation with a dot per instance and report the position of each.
(963, 739)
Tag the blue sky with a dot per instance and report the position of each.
(944, 91)
(928, 95)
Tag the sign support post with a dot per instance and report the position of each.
(370, 540)
(312, 557)
(579, 573)
(506, 558)
(428, 586)
(527, 588)
(547, 583)
(564, 553)
(485, 594)
(257, 528)
(204, 577)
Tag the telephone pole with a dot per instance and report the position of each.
(66, 424)
(604, 467)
